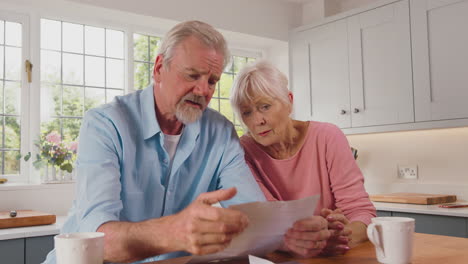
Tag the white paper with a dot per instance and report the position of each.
(257, 260)
(268, 222)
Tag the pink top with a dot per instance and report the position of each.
(324, 165)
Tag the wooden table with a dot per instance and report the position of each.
(427, 249)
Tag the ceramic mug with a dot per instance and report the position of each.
(80, 248)
(392, 238)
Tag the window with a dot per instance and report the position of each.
(145, 49)
(81, 67)
(220, 100)
(13, 49)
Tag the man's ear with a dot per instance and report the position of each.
(158, 66)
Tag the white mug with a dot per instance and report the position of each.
(392, 238)
(80, 248)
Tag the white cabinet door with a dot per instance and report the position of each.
(320, 74)
(380, 66)
(440, 58)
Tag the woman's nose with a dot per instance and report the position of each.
(259, 118)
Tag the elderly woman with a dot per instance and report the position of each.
(293, 159)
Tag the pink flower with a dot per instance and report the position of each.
(73, 146)
(54, 137)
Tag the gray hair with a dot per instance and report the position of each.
(200, 30)
(260, 79)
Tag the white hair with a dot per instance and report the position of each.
(200, 30)
(260, 79)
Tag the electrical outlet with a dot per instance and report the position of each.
(409, 172)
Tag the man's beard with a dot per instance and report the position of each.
(189, 114)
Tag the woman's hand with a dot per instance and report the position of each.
(307, 237)
(340, 233)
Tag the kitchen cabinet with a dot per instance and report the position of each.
(356, 71)
(434, 224)
(30, 250)
(440, 58)
(12, 250)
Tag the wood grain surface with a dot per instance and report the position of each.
(413, 198)
(427, 249)
(26, 218)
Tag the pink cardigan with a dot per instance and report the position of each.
(324, 165)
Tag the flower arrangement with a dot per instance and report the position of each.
(54, 152)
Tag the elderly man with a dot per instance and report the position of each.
(151, 163)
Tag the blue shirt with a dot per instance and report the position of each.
(123, 169)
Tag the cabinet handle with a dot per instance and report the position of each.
(343, 112)
(356, 110)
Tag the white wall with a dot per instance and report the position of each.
(440, 154)
(265, 18)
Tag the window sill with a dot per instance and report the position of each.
(30, 186)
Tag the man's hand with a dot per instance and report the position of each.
(307, 237)
(338, 243)
(202, 229)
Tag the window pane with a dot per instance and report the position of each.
(2, 32)
(214, 103)
(71, 129)
(1, 98)
(225, 85)
(51, 34)
(115, 73)
(140, 47)
(94, 71)
(1, 134)
(94, 41)
(239, 63)
(154, 47)
(114, 44)
(13, 63)
(51, 99)
(13, 34)
(12, 132)
(94, 97)
(50, 125)
(142, 72)
(111, 93)
(2, 57)
(12, 165)
(72, 68)
(73, 97)
(50, 66)
(72, 37)
(12, 98)
(226, 110)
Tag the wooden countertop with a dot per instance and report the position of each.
(427, 249)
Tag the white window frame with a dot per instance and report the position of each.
(25, 95)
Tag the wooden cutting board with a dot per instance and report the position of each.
(413, 198)
(26, 218)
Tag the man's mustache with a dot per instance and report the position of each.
(195, 98)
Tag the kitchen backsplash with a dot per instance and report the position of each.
(440, 154)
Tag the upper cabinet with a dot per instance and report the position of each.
(440, 58)
(381, 84)
(320, 74)
(355, 72)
